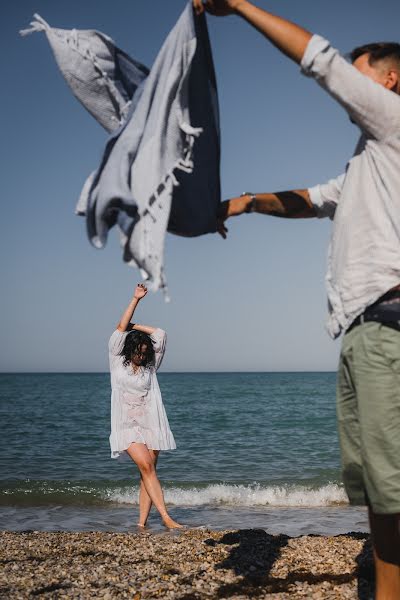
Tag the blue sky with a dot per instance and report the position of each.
(253, 302)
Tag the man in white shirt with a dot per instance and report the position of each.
(363, 277)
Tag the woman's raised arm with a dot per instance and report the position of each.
(125, 322)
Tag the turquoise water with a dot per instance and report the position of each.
(254, 449)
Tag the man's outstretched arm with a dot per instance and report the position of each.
(288, 37)
(294, 204)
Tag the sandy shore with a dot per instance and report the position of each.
(189, 565)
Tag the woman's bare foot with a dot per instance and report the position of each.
(141, 525)
(170, 523)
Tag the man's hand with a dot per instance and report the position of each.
(218, 8)
(140, 291)
(231, 208)
(222, 229)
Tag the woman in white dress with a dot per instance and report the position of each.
(139, 424)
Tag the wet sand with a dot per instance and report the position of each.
(188, 565)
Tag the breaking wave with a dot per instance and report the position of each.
(102, 493)
(244, 495)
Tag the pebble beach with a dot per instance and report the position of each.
(188, 564)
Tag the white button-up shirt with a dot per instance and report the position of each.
(364, 202)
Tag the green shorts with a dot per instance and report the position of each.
(368, 412)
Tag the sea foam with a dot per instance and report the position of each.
(254, 495)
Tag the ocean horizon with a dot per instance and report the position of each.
(172, 372)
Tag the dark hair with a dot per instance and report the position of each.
(133, 344)
(377, 51)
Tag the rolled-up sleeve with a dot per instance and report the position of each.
(325, 196)
(375, 109)
(159, 339)
(116, 342)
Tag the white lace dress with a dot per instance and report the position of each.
(137, 409)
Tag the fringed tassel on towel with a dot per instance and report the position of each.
(186, 164)
(38, 24)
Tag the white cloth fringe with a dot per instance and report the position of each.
(38, 24)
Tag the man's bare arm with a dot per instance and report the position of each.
(293, 204)
(289, 38)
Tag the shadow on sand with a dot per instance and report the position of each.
(254, 552)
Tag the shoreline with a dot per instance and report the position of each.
(120, 518)
(191, 565)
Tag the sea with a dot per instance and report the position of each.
(254, 450)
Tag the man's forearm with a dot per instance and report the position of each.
(295, 204)
(289, 38)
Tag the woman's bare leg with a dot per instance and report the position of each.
(145, 502)
(140, 454)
